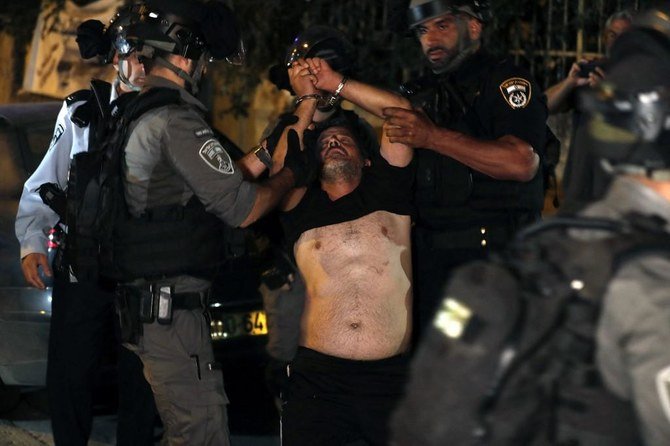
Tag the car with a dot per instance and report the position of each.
(238, 322)
(25, 132)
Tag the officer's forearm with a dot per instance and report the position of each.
(505, 158)
(372, 99)
(268, 195)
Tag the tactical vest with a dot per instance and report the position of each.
(108, 242)
(448, 191)
(510, 359)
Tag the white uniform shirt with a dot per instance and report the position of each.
(34, 219)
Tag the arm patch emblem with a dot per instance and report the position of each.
(57, 134)
(216, 157)
(516, 91)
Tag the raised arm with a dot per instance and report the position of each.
(368, 97)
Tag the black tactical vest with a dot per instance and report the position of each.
(108, 242)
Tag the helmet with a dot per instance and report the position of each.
(324, 42)
(94, 39)
(629, 125)
(316, 41)
(479, 9)
(422, 10)
(125, 17)
(187, 28)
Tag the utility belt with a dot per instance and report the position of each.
(138, 305)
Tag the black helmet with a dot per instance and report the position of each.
(316, 41)
(629, 126)
(187, 28)
(422, 10)
(324, 42)
(94, 39)
(479, 9)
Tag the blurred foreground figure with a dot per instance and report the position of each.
(565, 339)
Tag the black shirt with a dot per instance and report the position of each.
(383, 187)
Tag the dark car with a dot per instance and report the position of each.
(25, 132)
(239, 326)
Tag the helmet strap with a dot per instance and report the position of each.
(123, 78)
(191, 83)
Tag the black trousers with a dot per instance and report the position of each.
(83, 323)
(334, 401)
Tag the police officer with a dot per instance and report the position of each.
(482, 135)
(179, 183)
(601, 369)
(82, 311)
(633, 328)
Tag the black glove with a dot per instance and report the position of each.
(272, 140)
(301, 162)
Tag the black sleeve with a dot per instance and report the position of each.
(510, 103)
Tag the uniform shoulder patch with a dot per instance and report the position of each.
(516, 91)
(216, 157)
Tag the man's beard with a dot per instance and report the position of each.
(341, 170)
(455, 57)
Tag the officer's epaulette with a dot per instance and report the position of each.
(81, 95)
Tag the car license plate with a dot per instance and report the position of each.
(232, 325)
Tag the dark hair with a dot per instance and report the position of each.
(364, 135)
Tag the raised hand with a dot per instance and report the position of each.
(325, 77)
(301, 79)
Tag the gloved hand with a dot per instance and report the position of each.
(301, 162)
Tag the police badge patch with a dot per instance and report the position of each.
(516, 92)
(216, 157)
